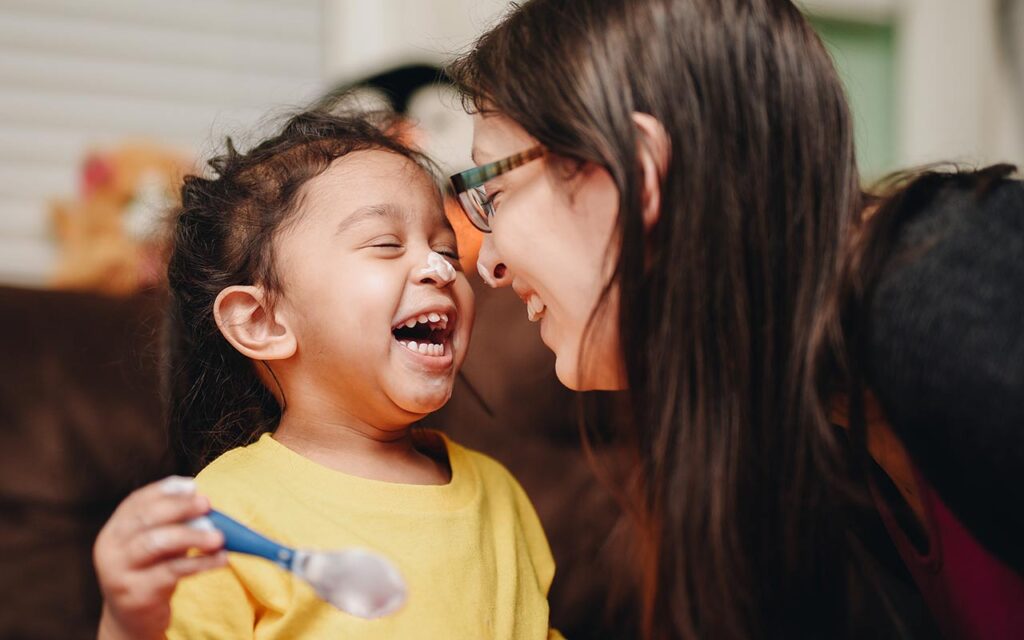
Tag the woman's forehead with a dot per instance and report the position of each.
(496, 136)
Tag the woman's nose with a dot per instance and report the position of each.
(491, 268)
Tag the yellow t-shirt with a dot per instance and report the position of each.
(472, 552)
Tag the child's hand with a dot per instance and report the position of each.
(142, 552)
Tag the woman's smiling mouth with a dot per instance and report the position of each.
(535, 307)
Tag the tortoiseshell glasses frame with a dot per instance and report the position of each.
(469, 185)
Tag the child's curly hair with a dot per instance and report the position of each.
(223, 235)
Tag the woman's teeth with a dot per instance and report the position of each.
(424, 348)
(535, 308)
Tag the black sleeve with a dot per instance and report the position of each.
(947, 363)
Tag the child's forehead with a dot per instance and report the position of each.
(380, 181)
(371, 169)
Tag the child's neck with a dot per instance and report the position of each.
(356, 448)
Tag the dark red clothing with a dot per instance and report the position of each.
(971, 593)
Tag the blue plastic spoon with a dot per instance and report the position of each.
(359, 582)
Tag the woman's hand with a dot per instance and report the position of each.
(142, 552)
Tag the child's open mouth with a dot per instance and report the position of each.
(426, 333)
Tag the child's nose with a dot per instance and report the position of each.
(438, 272)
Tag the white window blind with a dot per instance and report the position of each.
(76, 76)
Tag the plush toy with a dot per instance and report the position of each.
(111, 239)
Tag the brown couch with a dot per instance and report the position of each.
(80, 427)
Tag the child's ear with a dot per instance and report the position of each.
(243, 317)
(653, 151)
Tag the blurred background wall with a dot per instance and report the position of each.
(929, 80)
(77, 76)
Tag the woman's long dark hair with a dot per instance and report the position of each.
(223, 236)
(724, 314)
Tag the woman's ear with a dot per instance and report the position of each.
(245, 319)
(653, 152)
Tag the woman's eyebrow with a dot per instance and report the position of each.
(370, 212)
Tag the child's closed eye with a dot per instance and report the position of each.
(388, 244)
(449, 250)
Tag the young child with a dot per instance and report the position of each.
(318, 312)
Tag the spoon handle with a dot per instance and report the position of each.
(241, 539)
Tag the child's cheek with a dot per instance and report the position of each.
(465, 301)
(376, 292)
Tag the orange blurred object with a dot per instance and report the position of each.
(468, 236)
(111, 239)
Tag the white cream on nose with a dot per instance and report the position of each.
(438, 268)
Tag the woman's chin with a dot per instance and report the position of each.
(567, 370)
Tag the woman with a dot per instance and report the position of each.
(665, 184)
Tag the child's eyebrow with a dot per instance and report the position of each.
(371, 211)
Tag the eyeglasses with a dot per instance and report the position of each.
(469, 185)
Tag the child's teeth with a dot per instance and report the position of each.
(410, 323)
(444, 317)
(424, 348)
(434, 317)
(424, 319)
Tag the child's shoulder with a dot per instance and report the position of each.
(504, 491)
(240, 469)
